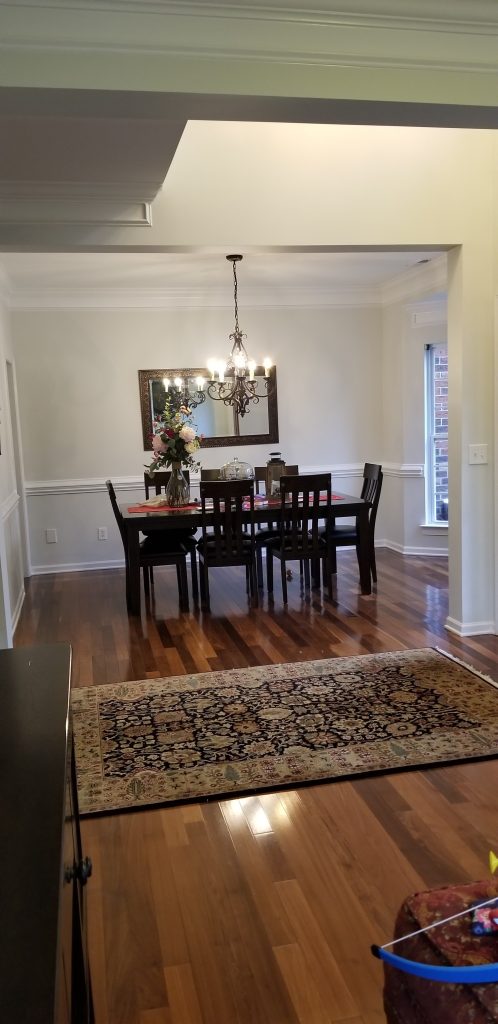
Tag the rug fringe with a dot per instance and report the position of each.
(470, 668)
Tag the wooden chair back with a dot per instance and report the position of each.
(370, 491)
(302, 513)
(117, 513)
(224, 541)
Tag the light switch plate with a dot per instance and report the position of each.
(478, 454)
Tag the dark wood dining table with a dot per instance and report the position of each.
(343, 506)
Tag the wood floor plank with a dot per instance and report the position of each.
(261, 910)
(182, 994)
(322, 971)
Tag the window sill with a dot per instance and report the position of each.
(437, 527)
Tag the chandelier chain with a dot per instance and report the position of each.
(237, 328)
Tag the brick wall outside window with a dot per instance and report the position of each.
(440, 430)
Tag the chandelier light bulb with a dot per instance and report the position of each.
(267, 363)
(200, 383)
(178, 383)
(212, 367)
(166, 384)
(251, 366)
(239, 360)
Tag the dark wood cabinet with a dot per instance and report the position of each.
(43, 872)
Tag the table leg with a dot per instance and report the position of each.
(133, 588)
(364, 551)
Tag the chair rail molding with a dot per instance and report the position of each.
(130, 483)
(403, 469)
(82, 486)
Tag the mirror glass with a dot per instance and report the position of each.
(219, 423)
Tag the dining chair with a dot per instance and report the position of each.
(186, 535)
(266, 531)
(159, 481)
(346, 536)
(300, 536)
(152, 554)
(225, 506)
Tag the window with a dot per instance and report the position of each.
(436, 432)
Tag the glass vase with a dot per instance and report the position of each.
(177, 489)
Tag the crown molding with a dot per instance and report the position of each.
(185, 298)
(423, 279)
(127, 191)
(61, 211)
(379, 35)
(459, 15)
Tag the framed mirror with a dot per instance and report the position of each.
(219, 423)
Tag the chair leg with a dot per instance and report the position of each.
(269, 570)
(315, 573)
(259, 565)
(181, 568)
(284, 580)
(151, 571)
(307, 574)
(333, 559)
(146, 580)
(373, 564)
(253, 583)
(195, 580)
(204, 579)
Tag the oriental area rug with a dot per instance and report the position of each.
(215, 734)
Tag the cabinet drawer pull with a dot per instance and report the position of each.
(82, 871)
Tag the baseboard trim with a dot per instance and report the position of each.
(402, 549)
(469, 628)
(42, 570)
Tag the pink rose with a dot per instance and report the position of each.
(158, 444)
(187, 433)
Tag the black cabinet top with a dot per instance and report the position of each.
(34, 731)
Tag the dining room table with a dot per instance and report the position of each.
(151, 517)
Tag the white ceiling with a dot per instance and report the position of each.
(195, 273)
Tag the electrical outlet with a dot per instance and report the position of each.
(51, 536)
(102, 532)
(478, 454)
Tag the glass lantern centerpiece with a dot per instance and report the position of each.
(236, 470)
(275, 468)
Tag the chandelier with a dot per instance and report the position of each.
(238, 381)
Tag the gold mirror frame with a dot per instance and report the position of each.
(228, 440)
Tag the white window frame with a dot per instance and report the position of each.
(431, 436)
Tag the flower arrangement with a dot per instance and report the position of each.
(175, 438)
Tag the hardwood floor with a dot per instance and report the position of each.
(262, 910)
